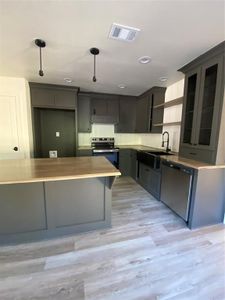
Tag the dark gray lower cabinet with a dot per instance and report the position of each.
(128, 162)
(150, 179)
(84, 152)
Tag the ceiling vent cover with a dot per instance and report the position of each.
(123, 33)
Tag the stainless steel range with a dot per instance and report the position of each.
(106, 147)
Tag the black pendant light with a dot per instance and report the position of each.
(41, 44)
(94, 51)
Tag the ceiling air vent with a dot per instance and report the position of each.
(123, 33)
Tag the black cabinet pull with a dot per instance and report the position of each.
(15, 148)
(192, 153)
(94, 111)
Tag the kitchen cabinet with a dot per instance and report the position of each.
(203, 99)
(84, 152)
(150, 179)
(127, 115)
(143, 114)
(104, 108)
(84, 113)
(125, 162)
(157, 110)
(128, 162)
(149, 115)
(53, 96)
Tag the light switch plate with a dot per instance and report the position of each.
(57, 134)
(53, 154)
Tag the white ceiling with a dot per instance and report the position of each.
(172, 34)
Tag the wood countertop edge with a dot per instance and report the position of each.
(61, 178)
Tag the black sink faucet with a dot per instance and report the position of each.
(167, 141)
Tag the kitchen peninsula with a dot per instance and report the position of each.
(42, 198)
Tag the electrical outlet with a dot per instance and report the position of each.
(53, 154)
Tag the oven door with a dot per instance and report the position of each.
(111, 154)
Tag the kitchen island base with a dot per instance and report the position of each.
(32, 211)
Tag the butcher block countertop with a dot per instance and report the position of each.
(54, 169)
(194, 164)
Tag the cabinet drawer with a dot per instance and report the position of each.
(204, 155)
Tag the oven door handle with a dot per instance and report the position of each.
(105, 151)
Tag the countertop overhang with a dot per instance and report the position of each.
(54, 169)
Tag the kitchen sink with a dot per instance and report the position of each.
(151, 158)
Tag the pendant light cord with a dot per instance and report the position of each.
(41, 73)
(94, 77)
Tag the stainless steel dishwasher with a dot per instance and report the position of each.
(176, 188)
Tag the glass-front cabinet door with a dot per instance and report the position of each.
(191, 92)
(209, 103)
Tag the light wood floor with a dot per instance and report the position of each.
(147, 254)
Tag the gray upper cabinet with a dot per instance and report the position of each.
(127, 115)
(149, 117)
(143, 114)
(104, 108)
(84, 113)
(53, 96)
(157, 97)
(203, 98)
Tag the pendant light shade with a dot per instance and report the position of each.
(41, 44)
(94, 51)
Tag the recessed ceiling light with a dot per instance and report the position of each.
(144, 59)
(122, 86)
(68, 80)
(163, 79)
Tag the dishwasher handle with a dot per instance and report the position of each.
(177, 167)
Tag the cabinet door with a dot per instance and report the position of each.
(125, 162)
(133, 170)
(189, 116)
(84, 113)
(150, 179)
(65, 99)
(210, 102)
(127, 115)
(157, 98)
(99, 106)
(113, 109)
(143, 115)
(42, 97)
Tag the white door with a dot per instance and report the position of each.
(9, 137)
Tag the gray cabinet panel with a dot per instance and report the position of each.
(53, 96)
(150, 180)
(143, 114)
(127, 115)
(84, 152)
(65, 99)
(76, 208)
(125, 162)
(104, 108)
(41, 97)
(22, 208)
(133, 169)
(84, 113)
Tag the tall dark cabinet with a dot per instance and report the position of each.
(203, 100)
(54, 112)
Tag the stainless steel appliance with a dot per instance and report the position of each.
(176, 186)
(106, 147)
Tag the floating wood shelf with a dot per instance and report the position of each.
(167, 124)
(170, 103)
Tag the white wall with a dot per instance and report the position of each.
(19, 88)
(103, 130)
